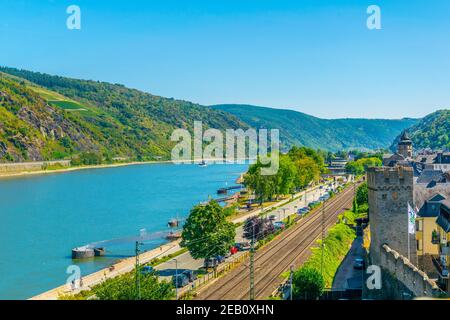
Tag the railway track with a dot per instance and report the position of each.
(290, 248)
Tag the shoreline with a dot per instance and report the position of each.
(126, 265)
(19, 174)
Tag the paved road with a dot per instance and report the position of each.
(291, 248)
(346, 271)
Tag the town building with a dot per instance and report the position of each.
(442, 237)
(405, 180)
(337, 167)
(439, 161)
(404, 153)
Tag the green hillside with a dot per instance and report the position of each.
(108, 119)
(431, 132)
(45, 117)
(297, 128)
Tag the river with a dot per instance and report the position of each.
(43, 217)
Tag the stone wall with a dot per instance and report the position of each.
(403, 280)
(30, 166)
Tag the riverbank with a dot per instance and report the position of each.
(127, 265)
(18, 174)
(119, 268)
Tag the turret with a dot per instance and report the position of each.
(405, 146)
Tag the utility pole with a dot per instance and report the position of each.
(252, 264)
(176, 278)
(323, 237)
(138, 271)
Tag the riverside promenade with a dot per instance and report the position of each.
(127, 265)
(121, 267)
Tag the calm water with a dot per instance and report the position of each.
(43, 217)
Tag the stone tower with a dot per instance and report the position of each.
(405, 147)
(390, 191)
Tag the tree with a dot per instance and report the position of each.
(123, 287)
(207, 233)
(362, 194)
(286, 175)
(360, 166)
(264, 186)
(308, 284)
(260, 226)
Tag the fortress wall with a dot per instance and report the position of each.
(411, 282)
(30, 166)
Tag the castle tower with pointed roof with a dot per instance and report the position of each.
(405, 147)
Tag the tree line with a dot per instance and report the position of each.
(298, 168)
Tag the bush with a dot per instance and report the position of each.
(87, 158)
(308, 284)
(336, 247)
(123, 287)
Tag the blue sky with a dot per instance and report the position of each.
(313, 56)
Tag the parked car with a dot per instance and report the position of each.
(180, 280)
(278, 225)
(243, 246)
(147, 270)
(190, 274)
(359, 263)
(273, 217)
(220, 259)
(211, 263)
(234, 250)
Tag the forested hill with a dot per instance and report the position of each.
(40, 112)
(297, 128)
(431, 132)
(46, 117)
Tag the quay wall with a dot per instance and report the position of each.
(30, 166)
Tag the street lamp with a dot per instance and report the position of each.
(176, 278)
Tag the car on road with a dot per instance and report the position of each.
(279, 225)
(220, 259)
(180, 280)
(303, 210)
(242, 246)
(359, 263)
(190, 274)
(210, 263)
(314, 203)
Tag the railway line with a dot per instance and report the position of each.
(290, 248)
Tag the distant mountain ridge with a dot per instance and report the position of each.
(297, 128)
(37, 112)
(430, 132)
(47, 117)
